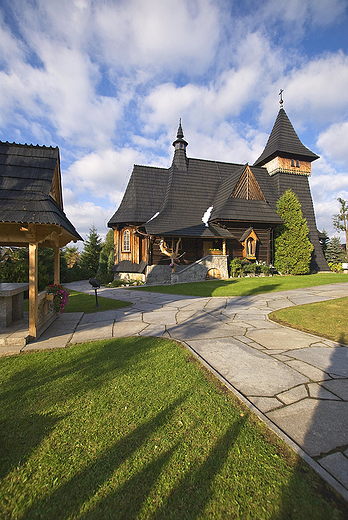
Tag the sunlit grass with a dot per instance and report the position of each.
(247, 286)
(328, 319)
(135, 428)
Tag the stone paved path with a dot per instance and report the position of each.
(296, 382)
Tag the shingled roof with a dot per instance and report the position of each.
(284, 142)
(30, 186)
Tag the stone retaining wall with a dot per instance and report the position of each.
(195, 272)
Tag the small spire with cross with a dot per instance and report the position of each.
(281, 98)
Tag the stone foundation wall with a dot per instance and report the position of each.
(195, 272)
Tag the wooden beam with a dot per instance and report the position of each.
(33, 289)
(56, 277)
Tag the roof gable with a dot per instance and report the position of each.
(284, 142)
(247, 187)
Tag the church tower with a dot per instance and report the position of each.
(284, 152)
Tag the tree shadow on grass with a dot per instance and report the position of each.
(32, 387)
(68, 499)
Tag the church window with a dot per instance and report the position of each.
(126, 241)
(292, 162)
(297, 164)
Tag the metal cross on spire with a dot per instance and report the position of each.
(281, 98)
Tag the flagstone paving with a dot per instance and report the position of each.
(296, 382)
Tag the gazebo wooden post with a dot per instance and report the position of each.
(56, 278)
(224, 246)
(33, 289)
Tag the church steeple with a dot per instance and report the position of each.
(284, 152)
(180, 159)
(180, 143)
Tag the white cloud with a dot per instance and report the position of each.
(333, 142)
(85, 214)
(104, 173)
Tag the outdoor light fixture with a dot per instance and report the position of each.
(96, 285)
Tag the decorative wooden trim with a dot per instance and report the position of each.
(247, 187)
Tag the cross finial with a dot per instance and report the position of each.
(281, 98)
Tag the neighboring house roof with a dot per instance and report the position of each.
(284, 142)
(30, 186)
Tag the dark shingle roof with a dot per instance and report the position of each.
(284, 142)
(26, 178)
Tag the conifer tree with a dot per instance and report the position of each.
(334, 252)
(91, 251)
(293, 250)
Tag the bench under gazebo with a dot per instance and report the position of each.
(31, 215)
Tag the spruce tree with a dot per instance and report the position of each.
(293, 250)
(334, 252)
(91, 251)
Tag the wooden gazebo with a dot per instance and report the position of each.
(31, 211)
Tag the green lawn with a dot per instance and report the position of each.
(247, 286)
(328, 319)
(135, 428)
(80, 302)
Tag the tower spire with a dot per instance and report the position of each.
(281, 98)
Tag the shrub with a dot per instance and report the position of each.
(336, 268)
(235, 267)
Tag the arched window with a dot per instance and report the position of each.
(292, 162)
(126, 241)
(297, 164)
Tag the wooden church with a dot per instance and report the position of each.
(197, 206)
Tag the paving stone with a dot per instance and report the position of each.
(251, 371)
(281, 338)
(92, 332)
(153, 330)
(279, 304)
(317, 426)
(337, 465)
(315, 374)
(163, 317)
(183, 315)
(128, 328)
(265, 404)
(338, 387)
(94, 317)
(303, 300)
(330, 360)
(318, 392)
(130, 315)
(293, 395)
(280, 357)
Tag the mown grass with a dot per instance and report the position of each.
(247, 286)
(80, 302)
(328, 319)
(135, 428)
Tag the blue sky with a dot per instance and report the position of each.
(108, 80)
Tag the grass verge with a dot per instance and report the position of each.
(247, 286)
(328, 319)
(136, 428)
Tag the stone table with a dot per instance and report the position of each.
(11, 302)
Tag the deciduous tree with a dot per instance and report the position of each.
(340, 220)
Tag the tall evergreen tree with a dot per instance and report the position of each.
(340, 220)
(334, 252)
(293, 250)
(91, 251)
